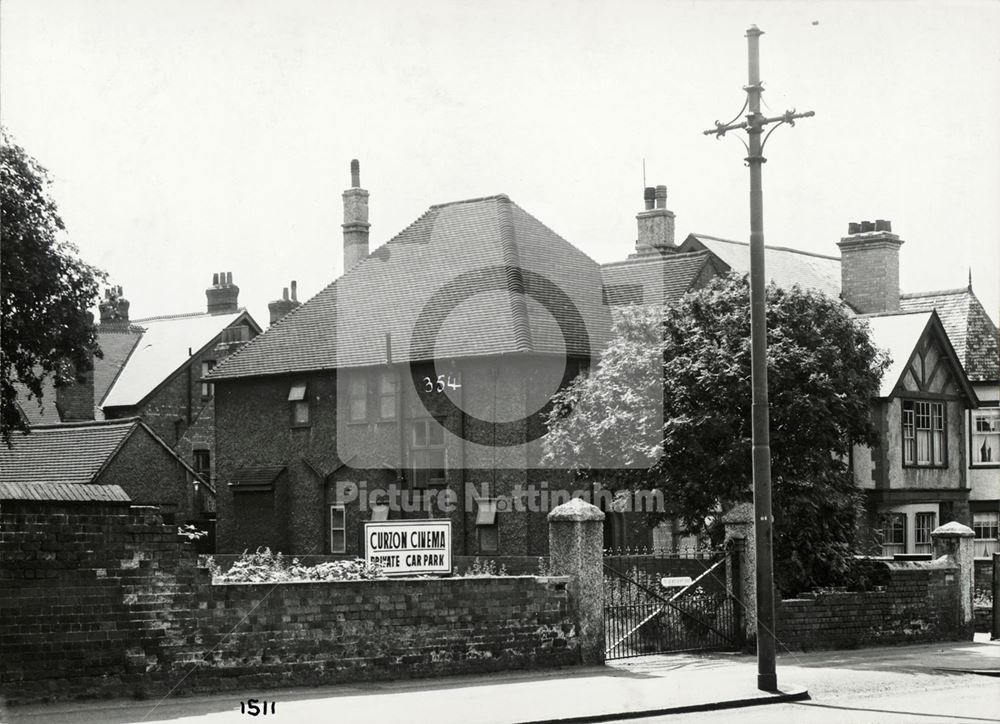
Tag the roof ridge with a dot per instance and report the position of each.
(182, 315)
(940, 293)
(48, 426)
(514, 275)
(650, 259)
(478, 199)
(767, 246)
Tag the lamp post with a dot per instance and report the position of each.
(754, 124)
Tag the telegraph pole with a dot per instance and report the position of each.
(754, 124)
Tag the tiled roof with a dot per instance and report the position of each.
(969, 327)
(462, 265)
(47, 413)
(70, 453)
(652, 279)
(63, 492)
(256, 478)
(160, 351)
(785, 267)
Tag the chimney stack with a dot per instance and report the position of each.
(114, 309)
(656, 224)
(869, 267)
(355, 220)
(223, 295)
(280, 307)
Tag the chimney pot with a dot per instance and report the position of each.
(853, 227)
(355, 174)
(883, 225)
(229, 279)
(284, 294)
(661, 197)
(295, 295)
(649, 196)
(867, 226)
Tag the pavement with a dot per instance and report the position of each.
(648, 686)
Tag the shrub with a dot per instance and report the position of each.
(263, 566)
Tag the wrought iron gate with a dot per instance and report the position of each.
(642, 617)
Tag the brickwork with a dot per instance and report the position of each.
(916, 605)
(101, 600)
(870, 271)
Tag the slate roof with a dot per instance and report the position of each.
(786, 267)
(154, 356)
(969, 327)
(463, 264)
(69, 453)
(117, 345)
(63, 492)
(652, 279)
(47, 412)
(258, 478)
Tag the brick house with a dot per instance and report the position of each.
(964, 484)
(417, 372)
(80, 460)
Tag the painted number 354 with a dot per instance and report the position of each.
(443, 382)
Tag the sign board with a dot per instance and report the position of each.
(409, 547)
(675, 581)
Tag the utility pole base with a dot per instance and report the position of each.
(767, 682)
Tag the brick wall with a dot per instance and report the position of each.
(918, 603)
(100, 600)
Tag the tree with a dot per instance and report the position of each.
(45, 327)
(823, 373)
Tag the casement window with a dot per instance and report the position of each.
(986, 531)
(893, 533)
(923, 524)
(239, 333)
(207, 388)
(924, 442)
(338, 529)
(298, 399)
(357, 397)
(203, 464)
(387, 396)
(428, 457)
(986, 436)
(487, 529)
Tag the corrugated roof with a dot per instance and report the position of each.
(970, 329)
(897, 334)
(63, 492)
(159, 352)
(70, 453)
(785, 267)
(652, 279)
(462, 265)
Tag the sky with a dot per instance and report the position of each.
(186, 138)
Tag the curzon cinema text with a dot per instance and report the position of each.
(409, 547)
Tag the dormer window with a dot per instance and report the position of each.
(239, 333)
(299, 401)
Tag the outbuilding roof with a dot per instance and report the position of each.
(471, 278)
(63, 492)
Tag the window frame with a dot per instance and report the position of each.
(973, 433)
(487, 524)
(427, 447)
(923, 531)
(978, 528)
(298, 399)
(207, 388)
(342, 509)
(206, 473)
(894, 516)
(910, 426)
(357, 381)
(383, 395)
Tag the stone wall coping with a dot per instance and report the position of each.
(451, 580)
(740, 513)
(952, 529)
(576, 509)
